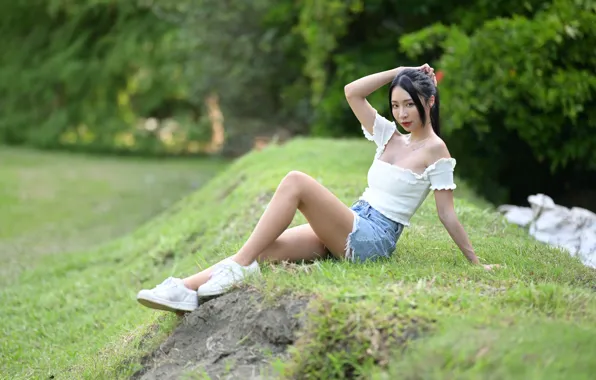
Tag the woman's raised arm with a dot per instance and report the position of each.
(357, 91)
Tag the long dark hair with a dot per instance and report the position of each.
(416, 83)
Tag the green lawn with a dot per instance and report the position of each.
(74, 315)
(59, 202)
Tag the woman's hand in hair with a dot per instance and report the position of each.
(428, 70)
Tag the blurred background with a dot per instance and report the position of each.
(140, 85)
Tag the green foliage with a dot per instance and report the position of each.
(88, 74)
(524, 89)
(321, 25)
(247, 53)
(348, 40)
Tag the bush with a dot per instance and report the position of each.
(519, 99)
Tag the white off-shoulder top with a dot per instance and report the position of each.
(396, 192)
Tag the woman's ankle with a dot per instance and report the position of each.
(188, 284)
(242, 260)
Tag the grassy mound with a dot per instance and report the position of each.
(424, 313)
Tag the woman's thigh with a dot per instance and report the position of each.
(295, 244)
(330, 219)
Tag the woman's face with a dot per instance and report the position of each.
(404, 110)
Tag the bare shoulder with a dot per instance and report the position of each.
(435, 150)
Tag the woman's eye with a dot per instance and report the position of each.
(410, 104)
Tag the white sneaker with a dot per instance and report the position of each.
(225, 275)
(170, 295)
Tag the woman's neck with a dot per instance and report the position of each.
(421, 134)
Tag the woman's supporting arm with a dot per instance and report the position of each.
(446, 209)
(447, 216)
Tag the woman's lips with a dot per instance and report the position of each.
(406, 124)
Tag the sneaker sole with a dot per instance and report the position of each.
(166, 305)
(210, 293)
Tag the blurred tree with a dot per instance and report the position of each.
(88, 74)
(248, 54)
(92, 72)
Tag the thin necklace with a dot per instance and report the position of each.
(409, 138)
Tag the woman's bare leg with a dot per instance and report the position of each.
(328, 217)
(329, 220)
(193, 282)
(295, 244)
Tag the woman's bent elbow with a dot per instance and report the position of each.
(349, 91)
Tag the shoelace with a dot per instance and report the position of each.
(167, 283)
(220, 269)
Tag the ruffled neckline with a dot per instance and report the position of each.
(424, 174)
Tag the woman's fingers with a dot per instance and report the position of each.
(428, 70)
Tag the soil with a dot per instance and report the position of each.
(234, 336)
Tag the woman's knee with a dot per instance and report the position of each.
(296, 176)
(293, 180)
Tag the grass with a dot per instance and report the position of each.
(424, 313)
(59, 202)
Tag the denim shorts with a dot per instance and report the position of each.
(373, 235)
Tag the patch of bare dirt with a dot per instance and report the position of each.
(235, 336)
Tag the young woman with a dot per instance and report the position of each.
(405, 168)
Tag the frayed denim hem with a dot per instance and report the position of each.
(349, 249)
(373, 235)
